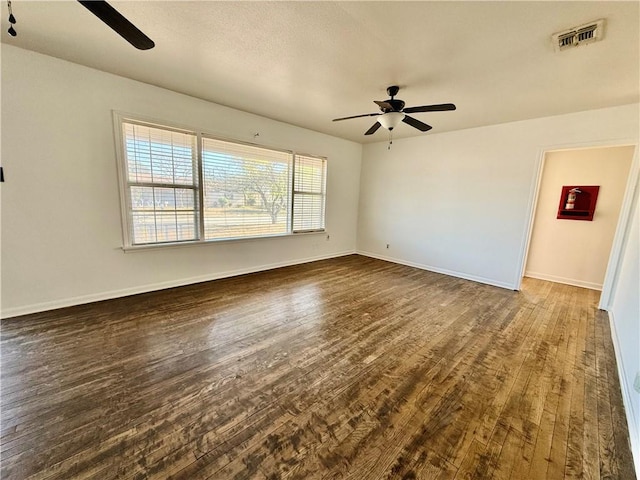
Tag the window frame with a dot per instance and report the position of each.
(120, 118)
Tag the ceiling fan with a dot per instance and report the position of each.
(110, 16)
(393, 112)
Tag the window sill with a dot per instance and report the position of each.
(156, 246)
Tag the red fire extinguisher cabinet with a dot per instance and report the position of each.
(584, 205)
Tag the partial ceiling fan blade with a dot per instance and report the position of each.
(117, 22)
(357, 116)
(384, 105)
(423, 127)
(373, 129)
(431, 108)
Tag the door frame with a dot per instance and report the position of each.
(624, 218)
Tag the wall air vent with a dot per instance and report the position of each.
(576, 36)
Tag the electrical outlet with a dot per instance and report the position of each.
(636, 383)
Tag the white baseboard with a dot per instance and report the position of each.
(466, 276)
(566, 281)
(68, 302)
(632, 415)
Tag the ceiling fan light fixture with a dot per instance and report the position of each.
(391, 120)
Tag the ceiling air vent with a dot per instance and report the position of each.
(582, 35)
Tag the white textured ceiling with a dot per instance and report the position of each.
(305, 63)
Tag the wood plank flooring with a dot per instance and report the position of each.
(349, 368)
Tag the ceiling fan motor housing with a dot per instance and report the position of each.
(397, 105)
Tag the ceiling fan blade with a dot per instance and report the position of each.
(384, 105)
(373, 129)
(117, 22)
(431, 108)
(423, 127)
(357, 116)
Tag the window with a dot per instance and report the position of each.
(247, 190)
(162, 190)
(182, 186)
(308, 194)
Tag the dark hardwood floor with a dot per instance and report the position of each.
(348, 368)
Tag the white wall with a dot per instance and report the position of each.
(61, 228)
(460, 202)
(573, 251)
(624, 313)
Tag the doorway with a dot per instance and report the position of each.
(574, 250)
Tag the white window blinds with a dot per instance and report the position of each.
(180, 185)
(309, 193)
(161, 184)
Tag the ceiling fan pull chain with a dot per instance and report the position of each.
(12, 21)
(390, 140)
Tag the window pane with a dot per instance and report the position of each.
(247, 190)
(186, 227)
(142, 198)
(164, 198)
(185, 198)
(144, 227)
(166, 227)
(309, 194)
